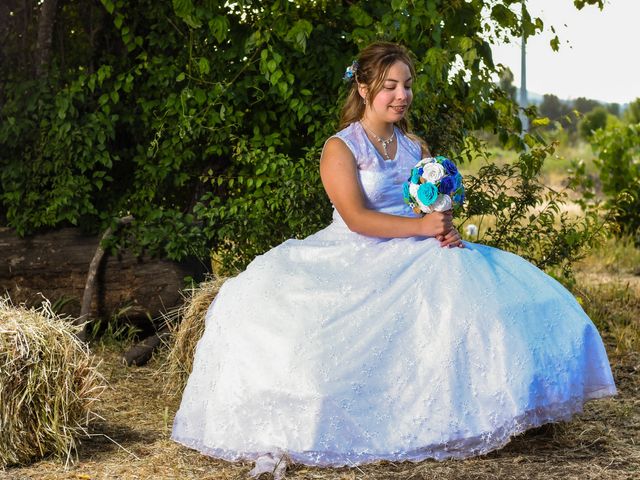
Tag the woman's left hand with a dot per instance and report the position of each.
(451, 239)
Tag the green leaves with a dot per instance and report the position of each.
(299, 33)
(185, 10)
(108, 5)
(272, 197)
(219, 27)
(618, 150)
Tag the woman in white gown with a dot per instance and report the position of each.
(384, 336)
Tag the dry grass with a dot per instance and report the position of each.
(603, 443)
(188, 325)
(48, 385)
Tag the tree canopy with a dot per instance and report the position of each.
(205, 119)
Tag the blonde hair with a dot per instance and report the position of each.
(374, 63)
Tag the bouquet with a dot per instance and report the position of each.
(435, 185)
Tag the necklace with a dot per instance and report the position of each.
(381, 140)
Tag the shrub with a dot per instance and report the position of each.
(525, 216)
(618, 162)
(592, 121)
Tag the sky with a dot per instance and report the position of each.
(598, 56)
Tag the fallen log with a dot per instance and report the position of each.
(55, 264)
(142, 351)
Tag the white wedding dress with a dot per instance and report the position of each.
(341, 349)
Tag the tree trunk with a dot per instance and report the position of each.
(45, 35)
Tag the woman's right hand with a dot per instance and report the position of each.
(436, 224)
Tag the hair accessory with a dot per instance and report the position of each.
(350, 72)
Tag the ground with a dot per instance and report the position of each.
(132, 440)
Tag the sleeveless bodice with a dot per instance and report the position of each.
(381, 180)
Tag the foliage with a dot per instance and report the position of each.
(558, 112)
(506, 83)
(585, 105)
(613, 109)
(594, 120)
(618, 161)
(552, 107)
(205, 119)
(632, 113)
(525, 216)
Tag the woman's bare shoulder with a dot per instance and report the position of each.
(336, 149)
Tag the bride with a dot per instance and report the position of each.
(384, 335)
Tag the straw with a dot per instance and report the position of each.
(49, 383)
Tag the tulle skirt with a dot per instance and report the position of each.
(341, 349)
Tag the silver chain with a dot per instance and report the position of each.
(381, 140)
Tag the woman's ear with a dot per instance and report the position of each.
(363, 90)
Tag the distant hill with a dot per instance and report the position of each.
(536, 99)
(533, 97)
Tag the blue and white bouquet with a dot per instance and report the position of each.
(435, 185)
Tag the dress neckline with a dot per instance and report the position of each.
(397, 132)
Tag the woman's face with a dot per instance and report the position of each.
(392, 101)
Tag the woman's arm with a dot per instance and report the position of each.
(340, 179)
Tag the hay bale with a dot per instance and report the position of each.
(48, 384)
(187, 326)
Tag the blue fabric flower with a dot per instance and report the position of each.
(458, 179)
(447, 185)
(415, 175)
(427, 193)
(405, 193)
(449, 166)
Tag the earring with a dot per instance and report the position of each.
(364, 100)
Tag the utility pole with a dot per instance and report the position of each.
(524, 102)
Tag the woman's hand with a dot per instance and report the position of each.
(451, 239)
(437, 224)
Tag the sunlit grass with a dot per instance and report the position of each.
(557, 165)
(614, 256)
(615, 309)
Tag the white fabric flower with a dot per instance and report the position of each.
(427, 208)
(425, 161)
(433, 172)
(413, 190)
(442, 203)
